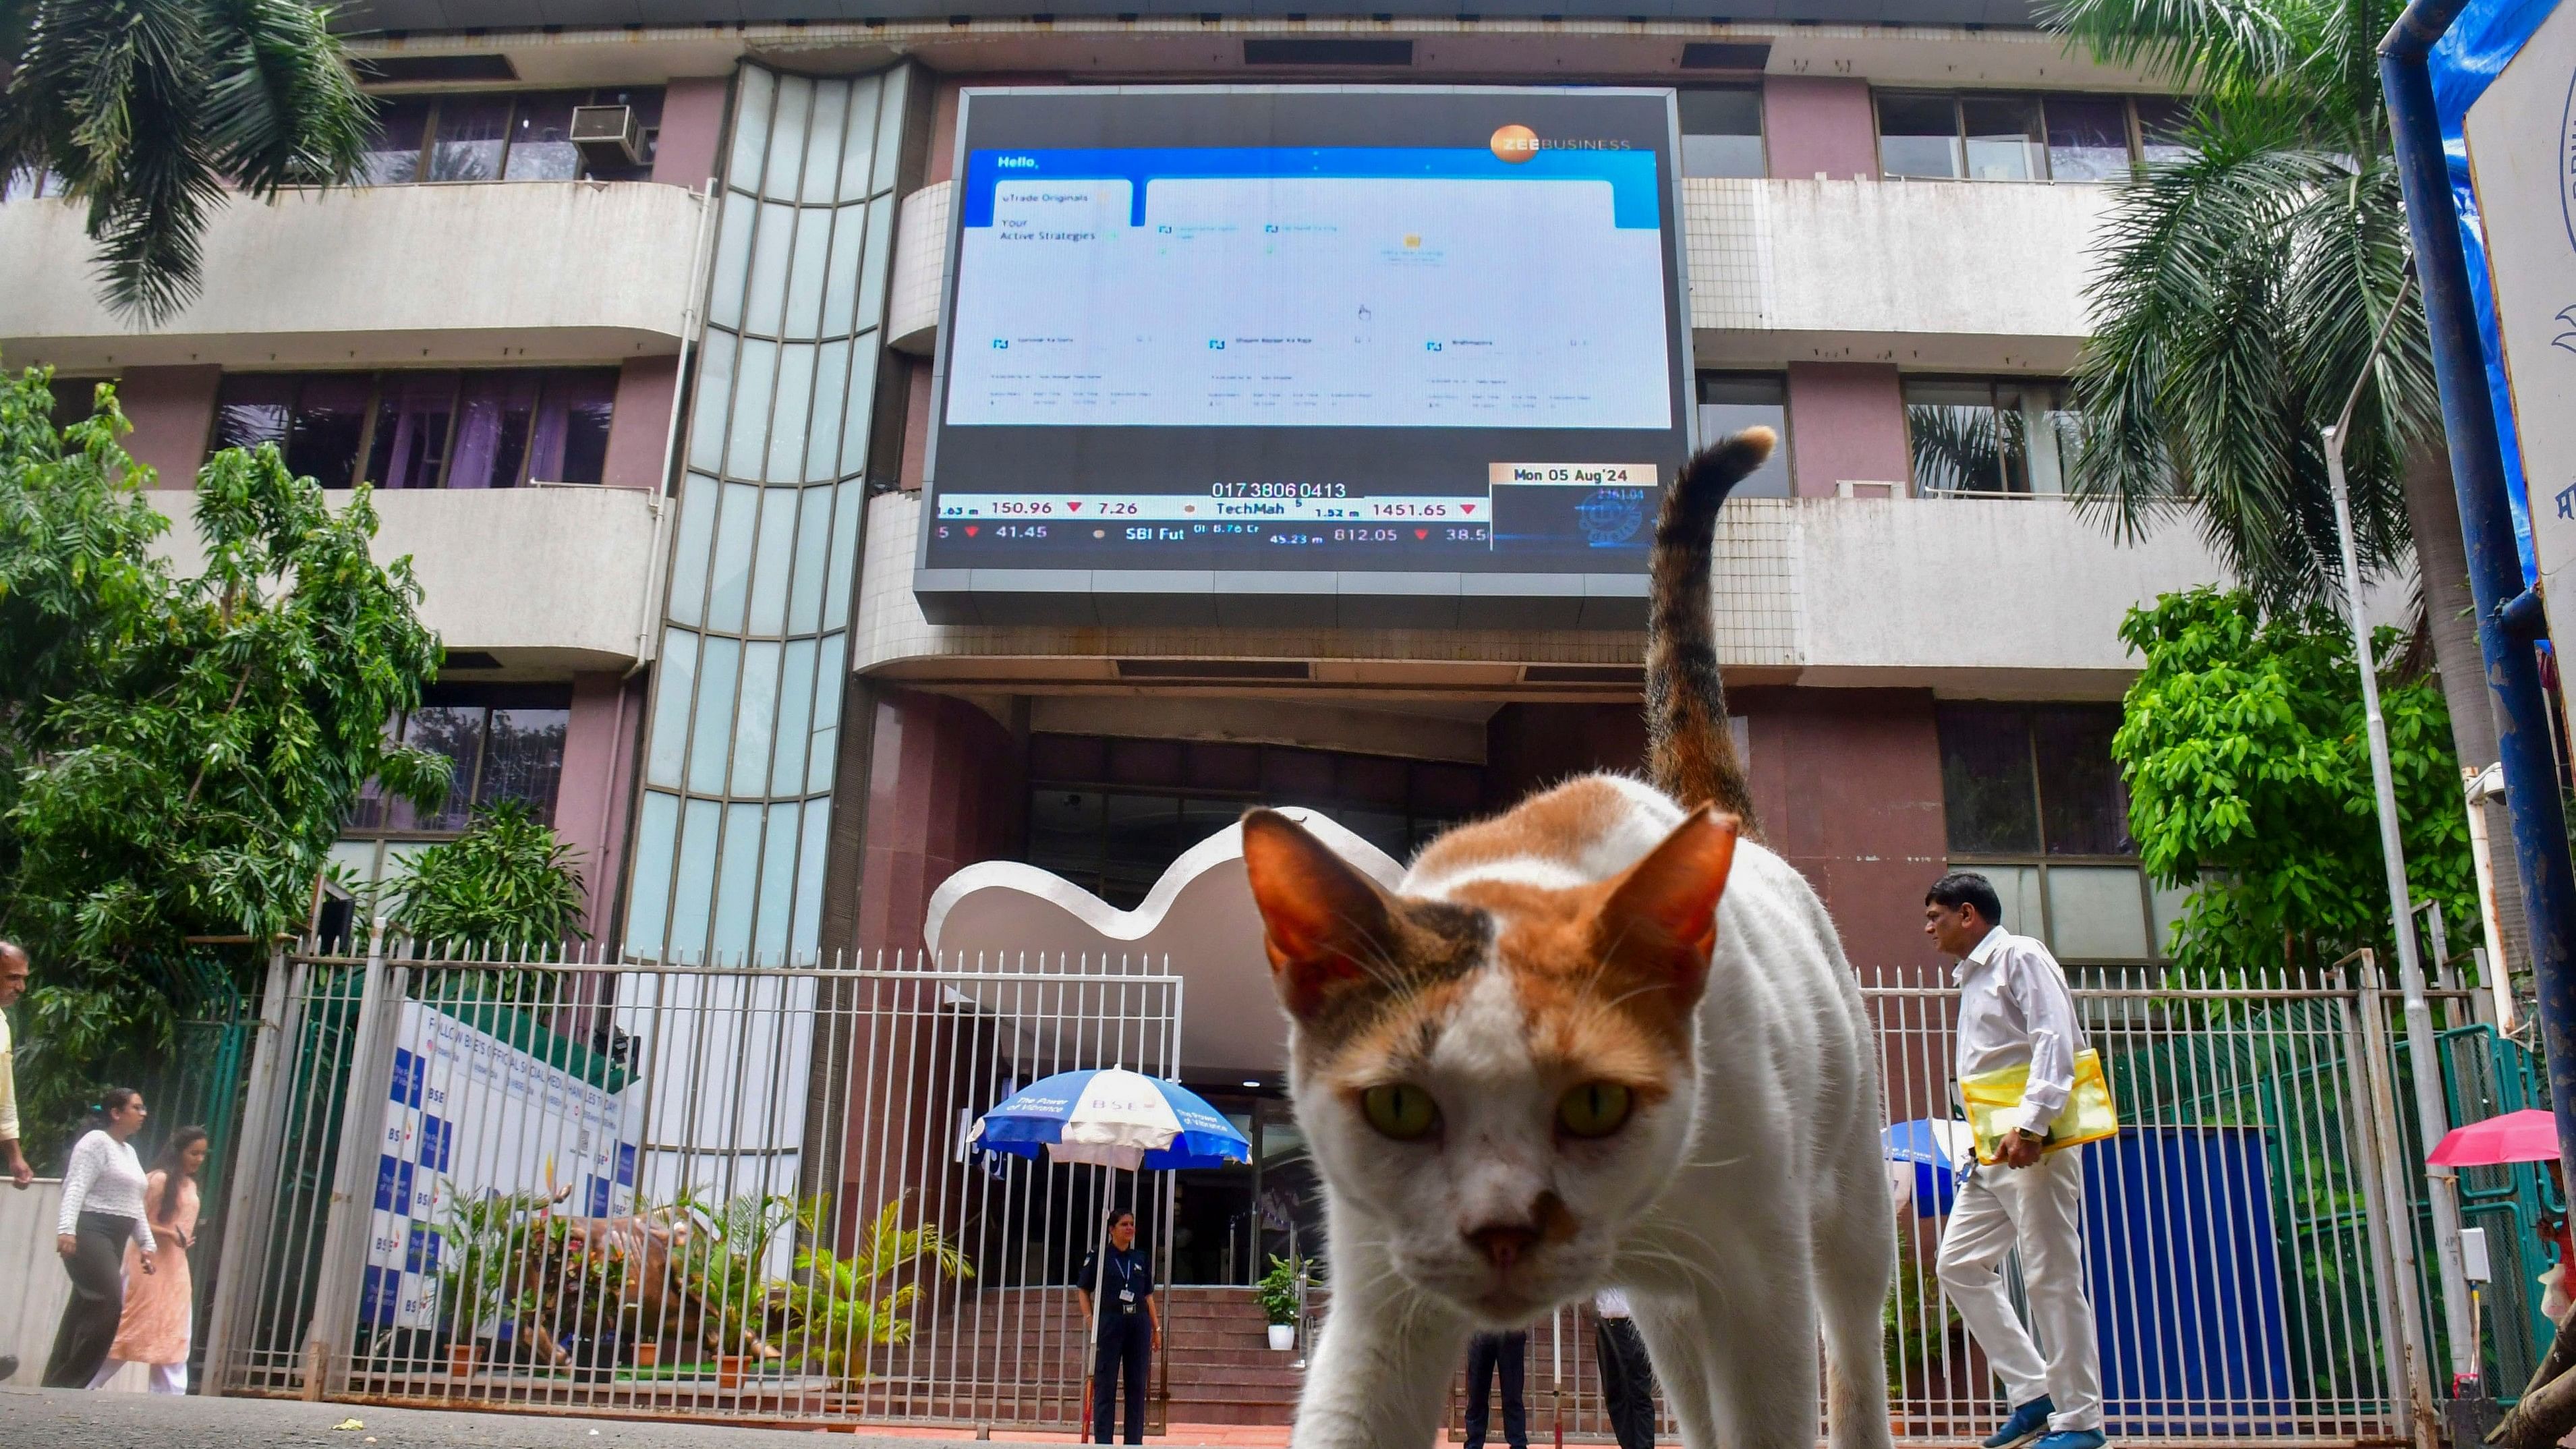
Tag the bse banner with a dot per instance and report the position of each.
(487, 1105)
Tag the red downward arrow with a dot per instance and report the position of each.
(1073, 508)
(1466, 507)
(970, 530)
(1422, 533)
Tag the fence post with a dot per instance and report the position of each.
(2390, 1210)
(329, 1340)
(241, 1259)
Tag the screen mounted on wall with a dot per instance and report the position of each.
(1306, 355)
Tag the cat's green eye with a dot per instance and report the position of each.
(1401, 1110)
(1595, 1109)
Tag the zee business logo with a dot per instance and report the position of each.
(1519, 143)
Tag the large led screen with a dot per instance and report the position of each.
(1419, 352)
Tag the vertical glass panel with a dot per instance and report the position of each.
(1986, 786)
(822, 179)
(572, 425)
(1918, 135)
(876, 264)
(2088, 138)
(674, 685)
(1143, 839)
(752, 102)
(1722, 131)
(2038, 429)
(805, 274)
(2083, 804)
(694, 880)
(523, 752)
(777, 882)
(648, 896)
(322, 435)
(2003, 137)
(715, 400)
(456, 733)
(729, 574)
(755, 720)
(813, 545)
(693, 538)
(831, 392)
(858, 145)
(806, 933)
(1959, 447)
(772, 562)
(893, 87)
(787, 138)
(790, 413)
(414, 414)
(841, 272)
(2011, 438)
(795, 719)
(757, 374)
(737, 879)
(392, 155)
(772, 244)
(541, 147)
(2163, 122)
(845, 553)
(472, 131)
(1730, 402)
(711, 733)
(864, 355)
(827, 714)
(2097, 912)
(252, 408)
(732, 265)
(2017, 887)
(495, 416)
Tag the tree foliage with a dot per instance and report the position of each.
(151, 111)
(507, 884)
(2249, 778)
(178, 749)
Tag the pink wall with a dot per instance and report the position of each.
(916, 427)
(1846, 420)
(693, 114)
(641, 426)
(947, 787)
(598, 783)
(1818, 123)
(173, 412)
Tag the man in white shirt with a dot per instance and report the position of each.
(2015, 1010)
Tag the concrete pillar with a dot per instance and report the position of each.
(1846, 423)
(1815, 125)
(597, 787)
(693, 122)
(173, 412)
(641, 427)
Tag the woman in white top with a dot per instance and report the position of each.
(103, 1189)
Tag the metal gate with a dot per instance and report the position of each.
(727, 1192)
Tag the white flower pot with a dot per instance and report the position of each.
(1283, 1336)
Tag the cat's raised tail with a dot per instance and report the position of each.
(1690, 752)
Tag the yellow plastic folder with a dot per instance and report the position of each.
(2087, 1117)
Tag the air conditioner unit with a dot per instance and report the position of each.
(608, 136)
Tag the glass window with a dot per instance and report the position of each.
(502, 742)
(393, 153)
(2085, 809)
(253, 409)
(1730, 402)
(330, 417)
(2003, 137)
(427, 429)
(2034, 802)
(2161, 123)
(2088, 138)
(2023, 136)
(1721, 131)
(1919, 136)
(541, 147)
(1988, 437)
(500, 136)
(468, 138)
(1987, 789)
(413, 414)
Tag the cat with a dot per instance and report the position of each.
(1553, 1061)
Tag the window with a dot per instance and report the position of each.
(1733, 401)
(2024, 135)
(2035, 803)
(1111, 815)
(1989, 437)
(498, 136)
(1722, 131)
(505, 742)
(430, 429)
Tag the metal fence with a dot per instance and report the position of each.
(714, 1192)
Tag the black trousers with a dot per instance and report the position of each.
(88, 1331)
(1627, 1382)
(1126, 1346)
(1485, 1353)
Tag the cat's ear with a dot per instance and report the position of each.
(1663, 912)
(1318, 913)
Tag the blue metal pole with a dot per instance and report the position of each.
(2507, 624)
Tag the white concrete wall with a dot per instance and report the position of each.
(571, 271)
(32, 1283)
(546, 578)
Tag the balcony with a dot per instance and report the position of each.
(512, 272)
(550, 579)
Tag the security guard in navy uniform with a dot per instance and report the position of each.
(1131, 1326)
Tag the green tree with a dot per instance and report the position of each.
(508, 884)
(2246, 758)
(151, 111)
(177, 752)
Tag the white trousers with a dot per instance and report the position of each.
(2040, 1210)
(167, 1378)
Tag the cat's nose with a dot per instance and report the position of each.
(1504, 1244)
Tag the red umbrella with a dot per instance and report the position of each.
(2530, 1135)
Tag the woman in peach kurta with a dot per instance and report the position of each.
(160, 1306)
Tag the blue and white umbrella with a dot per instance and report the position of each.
(1114, 1118)
(1925, 1160)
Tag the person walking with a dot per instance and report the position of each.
(2015, 1010)
(1487, 1352)
(1130, 1327)
(13, 984)
(1627, 1375)
(160, 1306)
(102, 1209)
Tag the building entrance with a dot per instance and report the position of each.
(1227, 1223)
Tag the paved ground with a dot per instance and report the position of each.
(67, 1419)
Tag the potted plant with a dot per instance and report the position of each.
(1280, 1290)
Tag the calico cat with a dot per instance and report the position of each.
(1553, 1061)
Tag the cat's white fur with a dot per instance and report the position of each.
(1744, 1214)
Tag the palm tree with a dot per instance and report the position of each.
(150, 111)
(2236, 307)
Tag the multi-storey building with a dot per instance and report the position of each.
(651, 412)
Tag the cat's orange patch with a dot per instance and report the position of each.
(1540, 827)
